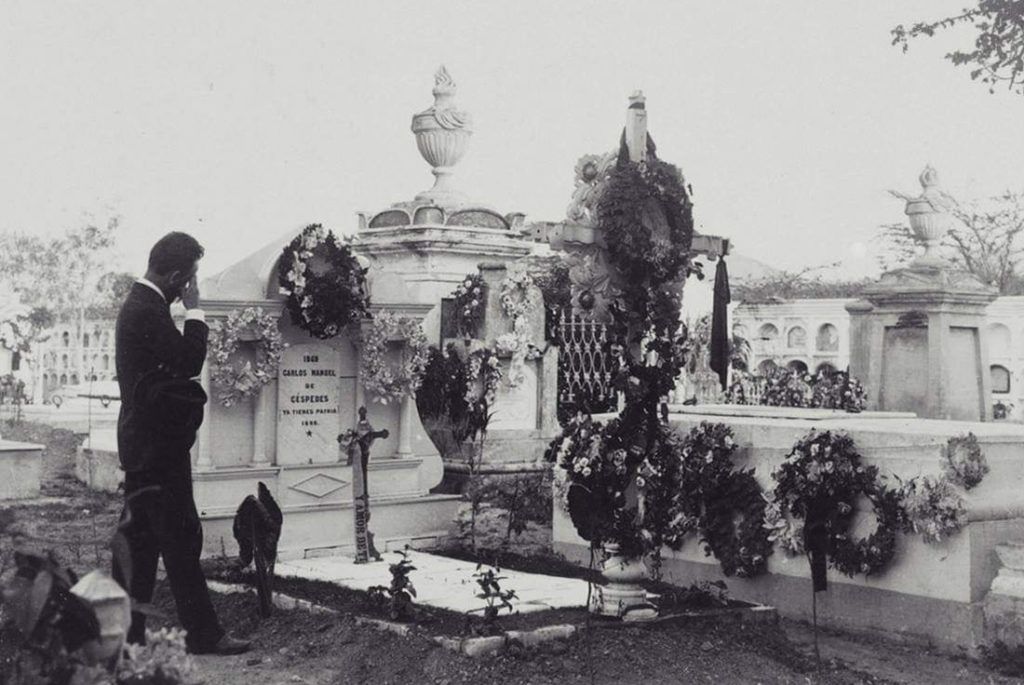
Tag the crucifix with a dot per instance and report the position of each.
(356, 444)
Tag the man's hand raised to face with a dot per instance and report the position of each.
(190, 295)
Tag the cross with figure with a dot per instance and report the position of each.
(356, 444)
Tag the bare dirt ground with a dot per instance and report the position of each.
(301, 647)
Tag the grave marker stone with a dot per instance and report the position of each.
(308, 399)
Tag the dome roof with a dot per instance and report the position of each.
(251, 279)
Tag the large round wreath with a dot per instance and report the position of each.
(820, 482)
(324, 283)
(381, 379)
(646, 218)
(709, 495)
(239, 381)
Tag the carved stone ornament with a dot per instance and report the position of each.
(930, 216)
(590, 278)
(591, 178)
(442, 136)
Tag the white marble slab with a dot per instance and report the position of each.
(442, 582)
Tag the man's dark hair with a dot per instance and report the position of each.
(176, 251)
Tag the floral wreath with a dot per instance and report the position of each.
(934, 508)
(239, 382)
(469, 300)
(820, 481)
(964, 461)
(322, 302)
(710, 494)
(380, 378)
(483, 375)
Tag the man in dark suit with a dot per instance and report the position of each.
(161, 409)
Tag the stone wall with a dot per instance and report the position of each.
(931, 593)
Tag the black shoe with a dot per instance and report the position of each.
(225, 646)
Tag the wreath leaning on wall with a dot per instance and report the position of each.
(239, 381)
(820, 482)
(383, 380)
(710, 494)
(323, 281)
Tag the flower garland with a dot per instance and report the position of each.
(483, 376)
(820, 482)
(322, 299)
(710, 493)
(469, 303)
(964, 462)
(239, 382)
(622, 473)
(837, 390)
(784, 387)
(787, 388)
(515, 303)
(381, 379)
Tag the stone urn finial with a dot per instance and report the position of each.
(930, 217)
(442, 135)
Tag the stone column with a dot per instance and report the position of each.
(263, 438)
(204, 457)
(405, 427)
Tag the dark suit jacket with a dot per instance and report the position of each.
(146, 340)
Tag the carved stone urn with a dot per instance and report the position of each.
(930, 218)
(442, 136)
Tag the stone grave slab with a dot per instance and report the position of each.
(308, 398)
(442, 582)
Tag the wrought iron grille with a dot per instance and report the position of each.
(586, 367)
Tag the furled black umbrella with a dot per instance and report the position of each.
(257, 529)
(720, 323)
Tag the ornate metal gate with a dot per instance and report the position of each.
(586, 367)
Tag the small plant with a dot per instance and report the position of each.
(703, 595)
(398, 597)
(496, 598)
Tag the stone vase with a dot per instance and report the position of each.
(623, 596)
(930, 227)
(441, 146)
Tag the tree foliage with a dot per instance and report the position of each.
(781, 286)
(985, 239)
(68, 273)
(67, 277)
(998, 53)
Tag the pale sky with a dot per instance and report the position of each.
(243, 121)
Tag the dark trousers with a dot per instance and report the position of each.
(160, 519)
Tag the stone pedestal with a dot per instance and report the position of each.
(1004, 604)
(21, 468)
(918, 344)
